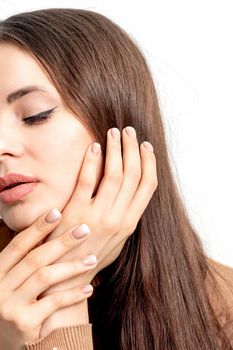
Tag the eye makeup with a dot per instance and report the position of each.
(40, 118)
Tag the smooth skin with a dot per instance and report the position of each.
(112, 214)
(25, 272)
(52, 151)
(36, 283)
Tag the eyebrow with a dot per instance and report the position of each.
(22, 92)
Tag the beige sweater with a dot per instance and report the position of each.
(65, 338)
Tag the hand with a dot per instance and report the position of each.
(25, 272)
(113, 213)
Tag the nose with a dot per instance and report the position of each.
(9, 143)
(3, 156)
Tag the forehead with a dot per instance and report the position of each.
(19, 68)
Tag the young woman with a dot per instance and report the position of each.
(72, 81)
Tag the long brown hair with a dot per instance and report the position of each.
(155, 294)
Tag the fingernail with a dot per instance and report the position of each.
(115, 134)
(130, 131)
(89, 260)
(148, 146)
(81, 231)
(53, 216)
(88, 289)
(95, 148)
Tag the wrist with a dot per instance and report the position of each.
(68, 316)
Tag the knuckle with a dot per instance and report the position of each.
(58, 300)
(134, 174)
(85, 182)
(115, 177)
(41, 225)
(43, 276)
(33, 259)
(111, 224)
(17, 244)
(68, 240)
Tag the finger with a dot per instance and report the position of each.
(44, 255)
(132, 171)
(50, 275)
(40, 310)
(26, 240)
(113, 173)
(88, 174)
(145, 190)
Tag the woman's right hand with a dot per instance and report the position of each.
(26, 270)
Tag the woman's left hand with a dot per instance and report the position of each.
(112, 214)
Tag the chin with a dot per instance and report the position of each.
(20, 219)
(18, 225)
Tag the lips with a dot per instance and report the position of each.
(14, 185)
(17, 193)
(10, 179)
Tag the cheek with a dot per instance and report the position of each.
(61, 150)
(56, 159)
(63, 160)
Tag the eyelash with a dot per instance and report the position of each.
(39, 118)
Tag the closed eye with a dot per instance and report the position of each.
(40, 118)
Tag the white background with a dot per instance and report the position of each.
(189, 47)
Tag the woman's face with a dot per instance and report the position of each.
(51, 151)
